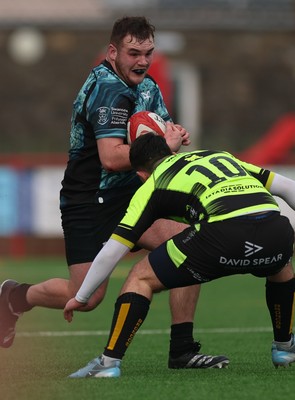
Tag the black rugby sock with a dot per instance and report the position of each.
(181, 339)
(18, 299)
(130, 312)
(280, 302)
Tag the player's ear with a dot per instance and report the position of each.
(112, 52)
(143, 175)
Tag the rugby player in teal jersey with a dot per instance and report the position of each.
(99, 183)
(235, 228)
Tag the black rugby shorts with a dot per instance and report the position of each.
(87, 227)
(260, 246)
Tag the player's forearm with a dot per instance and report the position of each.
(285, 188)
(102, 266)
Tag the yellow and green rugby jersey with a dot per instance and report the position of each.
(200, 185)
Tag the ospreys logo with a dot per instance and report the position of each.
(146, 95)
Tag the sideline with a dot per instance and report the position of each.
(142, 332)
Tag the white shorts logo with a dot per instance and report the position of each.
(251, 248)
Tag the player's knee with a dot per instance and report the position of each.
(284, 275)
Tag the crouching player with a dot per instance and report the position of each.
(235, 228)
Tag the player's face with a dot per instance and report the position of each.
(132, 59)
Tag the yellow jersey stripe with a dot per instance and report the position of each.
(269, 180)
(121, 240)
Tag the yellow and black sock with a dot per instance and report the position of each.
(280, 301)
(130, 312)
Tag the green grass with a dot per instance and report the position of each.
(36, 367)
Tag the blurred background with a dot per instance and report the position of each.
(226, 69)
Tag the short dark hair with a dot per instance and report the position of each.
(138, 27)
(146, 150)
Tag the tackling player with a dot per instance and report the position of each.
(235, 228)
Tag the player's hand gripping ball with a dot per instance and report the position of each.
(143, 122)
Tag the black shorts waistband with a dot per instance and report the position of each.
(257, 216)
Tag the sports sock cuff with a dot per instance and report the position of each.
(18, 298)
(134, 298)
(288, 285)
(183, 329)
(181, 339)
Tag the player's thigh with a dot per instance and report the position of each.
(159, 232)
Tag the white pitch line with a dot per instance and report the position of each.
(142, 332)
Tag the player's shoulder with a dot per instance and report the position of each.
(103, 71)
(150, 79)
(149, 82)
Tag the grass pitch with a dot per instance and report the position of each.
(231, 319)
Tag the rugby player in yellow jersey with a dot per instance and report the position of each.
(235, 228)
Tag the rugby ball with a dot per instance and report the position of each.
(143, 122)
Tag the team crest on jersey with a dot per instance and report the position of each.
(146, 95)
(103, 115)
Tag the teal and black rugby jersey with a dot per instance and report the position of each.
(102, 109)
(196, 186)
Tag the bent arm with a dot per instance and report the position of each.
(284, 188)
(114, 154)
(102, 266)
